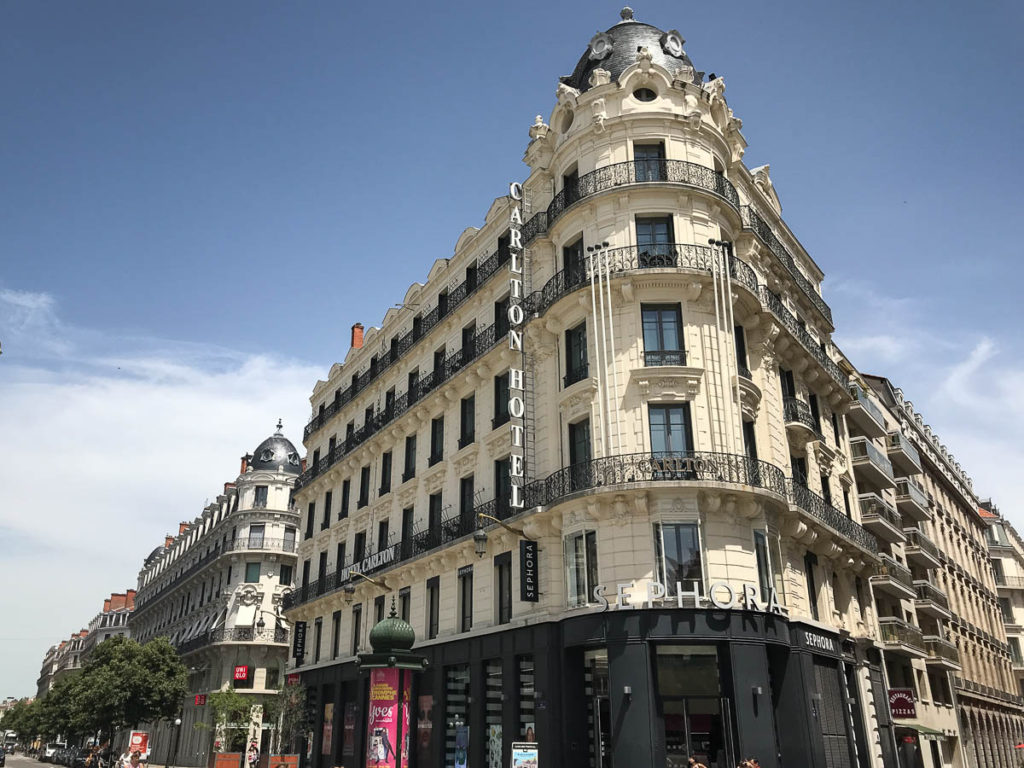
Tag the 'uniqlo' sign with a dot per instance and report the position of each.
(200, 699)
(241, 672)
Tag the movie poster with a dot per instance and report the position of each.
(383, 719)
(328, 735)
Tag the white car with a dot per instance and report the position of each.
(51, 750)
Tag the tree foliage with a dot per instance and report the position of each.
(289, 712)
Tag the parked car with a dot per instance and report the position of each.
(78, 756)
(50, 751)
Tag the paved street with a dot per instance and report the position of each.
(20, 761)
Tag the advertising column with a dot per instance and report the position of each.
(387, 723)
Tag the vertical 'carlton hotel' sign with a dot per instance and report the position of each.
(516, 317)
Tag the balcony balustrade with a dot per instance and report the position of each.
(902, 453)
(920, 550)
(931, 600)
(865, 414)
(912, 501)
(902, 637)
(801, 425)
(893, 578)
(942, 653)
(878, 516)
(266, 636)
(871, 467)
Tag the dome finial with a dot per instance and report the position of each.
(280, 426)
(626, 14)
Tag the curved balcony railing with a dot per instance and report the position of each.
(815, 506)
(773, 303)
(643, 172)
(234, 635)
(627, 469)
(579, 373)
(753, 221)
(799, 412)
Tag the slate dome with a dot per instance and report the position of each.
(276, 451)
(615, 49)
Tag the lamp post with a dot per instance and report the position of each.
(350, 589)
(177, 737)
(480, 535)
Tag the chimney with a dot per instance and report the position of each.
(117, 601)
(182, 527)
(168, 540)
(130, 602)
(106, 606)
(357, 336)
(303, 465)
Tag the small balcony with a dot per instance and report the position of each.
(801, 425)
(878, 516)
(573, 375)
(893, 579)
(1009, 582)
(665, 357)
(903, 455)
(901, 637)
(870, 466)
(931, 601)
(865, 414)
(920, 550)
(942, 653)
(912, 501)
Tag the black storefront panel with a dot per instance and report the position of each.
(752, 703)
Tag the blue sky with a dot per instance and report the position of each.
(197, 200)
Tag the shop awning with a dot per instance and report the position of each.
(922, 730)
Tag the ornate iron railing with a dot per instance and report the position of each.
(814, 505)
(753, 221)
(609, 471)
(643, 172)
(799, 412)
(659, 357)
(926, 591)
(890, 569)
(234, 635)
(774, 304)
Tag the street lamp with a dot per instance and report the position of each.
(480, 535)
(350, 588)
(177, 737)
(261, 624)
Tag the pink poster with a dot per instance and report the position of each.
(383, 719)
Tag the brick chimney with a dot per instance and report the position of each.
(106, 605)
(245, 463)
(357, 336)
(182, 527)
(117, 601)
(129, 602)
(168, 540)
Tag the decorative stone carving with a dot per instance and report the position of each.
(600, 115)
(762, 180)
(466, 459)
(672, 44)
(248, 595)
(715, 89)
(600, 77)
(668, 382)
(644, 59)
(600, 46)
(539, 130)
(434, 477)
(407, 495)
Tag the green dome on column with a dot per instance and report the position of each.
(392, 634)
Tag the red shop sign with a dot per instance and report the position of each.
(242, 672)
(901, 703)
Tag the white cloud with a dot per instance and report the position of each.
(109, 442)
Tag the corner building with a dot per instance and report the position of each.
(701, 586)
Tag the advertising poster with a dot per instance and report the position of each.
(461, 746)
(348, 735)
(383, 718)
(493, 746)
(328, 735)
(425, 731)
(138, 741)
(524, 754)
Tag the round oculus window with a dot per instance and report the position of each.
(644, 94)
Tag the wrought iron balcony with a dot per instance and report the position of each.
(753, 221)
(894, 578)
(575, 374)
(744, 371)
(1009, 582)
(865, 414)
(870, 465)
(880, 518)
(665, 357)
(899, 635)
(266, 636)
(911, 500)
(694, 466)
(921, 550)
(643, 172)
(800, 421)
(902, 453)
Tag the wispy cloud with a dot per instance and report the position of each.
(110, 441)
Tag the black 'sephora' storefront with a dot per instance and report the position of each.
(621, 689)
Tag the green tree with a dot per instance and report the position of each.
(233, 714)
(23, 719)
(288, 712)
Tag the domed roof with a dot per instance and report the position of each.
(392, 634)
(276, 451)
(616, 49)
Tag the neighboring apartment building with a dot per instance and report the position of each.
(45, 680)
(112, 621)
(215, 591)
(673, 428)
(986, 694)
(1006, 549)
(69, 655)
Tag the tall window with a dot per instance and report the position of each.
(252, 573)
(581, 567)
(663, 334)
(434, 518)
(826, 489)
(382, 535)
(433, 606)
(742, 360)
(465, 598)
(310, 517)
(501, 317)
(346, 495)
(678, 556)
(404, 603)
(466, 499)
(378, 609)
(571, 186)
(385, 473)
(503, 586)
(575, 354)
(579, 442)
(812, 403)
(326, 521)
(798, 464)
(502, 483)
(408, 516)
(654, 239)
(810, 561)
(467, 421)
(436, 440)
(573, 262)
(787, 383)
(339, 562)
(357, 627)
(749, 440)
(335, 633)
(284, 576)
(318, 635)
(256, 536)
(670, 429)
(364, 487)
(764, 566)
(261, 497)
(359, 547)
(649, 160)
(468, 336)
(410, 458)
(501, 393)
